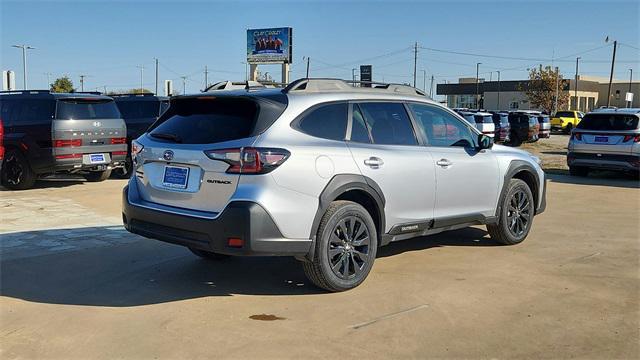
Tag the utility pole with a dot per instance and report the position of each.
(431, 88)
(82, 82)
(184, 84)
(478, 85)
(353, 76)
(576, 86)
(555, 103)
(424, 81)
(24, 63)
(415, 63)
(206, 77)
(498, 90)
(613, 61)
(156, 76)
(308, 60)
(630, 80)
(141, 67)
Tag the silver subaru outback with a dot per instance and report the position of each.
(324, 172)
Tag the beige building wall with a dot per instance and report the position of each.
(618, 91)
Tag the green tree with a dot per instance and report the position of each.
(62, 85)
(543, 85)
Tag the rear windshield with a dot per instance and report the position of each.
(544, 119)
(608, 122)
(139, 109)
(87, 109)
(564, 114)
(207, 120)
(483, 119)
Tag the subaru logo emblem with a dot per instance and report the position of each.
(97, 123)
(168, 155)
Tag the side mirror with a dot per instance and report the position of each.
(484, 142)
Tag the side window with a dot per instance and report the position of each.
(327, 122)
(33, 112)
(441, 128)
(389, 123)
(359, 131)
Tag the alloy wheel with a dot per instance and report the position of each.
(518, 213)
(348, 250)
(14, 170)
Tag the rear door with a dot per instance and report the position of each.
(466, 179)
(386, 150)
(172, 168)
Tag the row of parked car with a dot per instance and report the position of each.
(43, 133)
(509, 127)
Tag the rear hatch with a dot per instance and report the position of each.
(173, 168)
(85, 126)
(606, 133)
(485, 124)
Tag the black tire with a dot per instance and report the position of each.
(578, 171)
(97, 176)
(516, 214)
(568, 128)
(16, 171)
(208, 255)
(345, 247)
(124, 172)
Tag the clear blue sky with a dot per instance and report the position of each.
(108, 40)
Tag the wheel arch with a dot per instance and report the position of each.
(519, 169)
(357, 188)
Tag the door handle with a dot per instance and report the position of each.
(373, 162)
(444, 162)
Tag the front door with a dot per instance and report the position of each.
(467, 179)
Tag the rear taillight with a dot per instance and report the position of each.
(249, 160)
(115, 141)
(119, 153)
(636, 138)
(577, 136)
(1, 140)
(136, 147)
(67, 143)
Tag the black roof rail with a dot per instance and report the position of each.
(329, 84)
(87, 92)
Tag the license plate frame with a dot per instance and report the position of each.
(97, 159)
(178, 177)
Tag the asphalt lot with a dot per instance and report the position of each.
(74, 284)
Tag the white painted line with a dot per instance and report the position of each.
(388, 316)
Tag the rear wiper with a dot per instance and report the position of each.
(164, 136)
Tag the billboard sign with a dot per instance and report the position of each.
(366, 75)
(272, 45)
(8, 80)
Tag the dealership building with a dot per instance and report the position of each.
(510, 95)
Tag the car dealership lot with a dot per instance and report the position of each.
(75, 285)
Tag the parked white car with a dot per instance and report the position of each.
(482, 121)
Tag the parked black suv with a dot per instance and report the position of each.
(524, 127)
(139, 111)
(47, 133)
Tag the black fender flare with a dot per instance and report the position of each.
(338, 185)
(515, 167)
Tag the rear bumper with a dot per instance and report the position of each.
(240, 220)
(604, 161)
(78, 164)
(544, 134)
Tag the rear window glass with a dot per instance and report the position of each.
(207, 120)
(139, 109)
(564, 114)
(87, 109)
(327, 122)
(608, 122)
(544, 119)
(480, 119)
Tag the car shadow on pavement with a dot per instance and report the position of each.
(599, 178)
(83, 267)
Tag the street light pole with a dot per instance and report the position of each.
(424, 81)
(431, 87)
(156, 76)
(478, 85)
(555, 103)
(575, 88)
(630, 80)
(24, 62)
